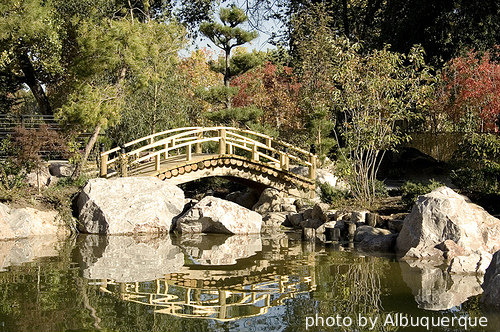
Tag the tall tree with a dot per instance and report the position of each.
(228, 35)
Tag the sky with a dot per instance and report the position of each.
(260, 43)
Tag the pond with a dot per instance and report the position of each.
(226, 283)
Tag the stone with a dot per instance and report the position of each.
(247, 198)
(26, 222)
(358, 216)
(269, 201)
(311, 223)
(295, 219)
(450, 249)
(302, 204)
(288, 208)
(445, 215)
(308, 234)
(436, 289)
(491, 285)
(209, 249)
(372, 219)
(128, 205)
(365, 232)
(378, 243)
(39, 178)
(320, 211)
(273, 220)
(473, 263)
(351, 230)
(61, 169)
(395, 225)
(215, 215)
(127, 258)
(307, 214)
(322, 229)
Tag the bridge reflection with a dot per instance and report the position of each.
(245, 285)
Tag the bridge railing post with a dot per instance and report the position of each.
(222, 141)
(188, 152)
(104, 163)
(312, 167)
(284, 161)
(157, 162)
(197, 148)
(255, 152)
(166, 150)
(123, 163)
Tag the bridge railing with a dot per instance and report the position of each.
(178, 145)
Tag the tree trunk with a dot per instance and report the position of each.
(88, 148)
(226, 78)
(33, 83)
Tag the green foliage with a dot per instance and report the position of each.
(331, 195)
(236, 116)
(477, 164)
(411, 191)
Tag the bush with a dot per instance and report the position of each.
(477, 164)
(331, 195)
(411, 190)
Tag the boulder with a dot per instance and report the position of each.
(247, 198)
(38, 179)
(128, 205)
(365, 232)
(445, 215)
(358, 216)
(269, 201)
(378, 243)
(273, 220)
(26, 222)
(61, 169)
(491, 285)
(295, 219)
(473, 263)
(320, 212)
(215, 215)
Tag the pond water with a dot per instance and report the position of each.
(221, 283)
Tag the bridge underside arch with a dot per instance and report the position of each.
(232, 166)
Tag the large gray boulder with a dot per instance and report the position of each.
(127, 258)
(26, 222)
(443, 216)
(128, 205)
(215, 215)
(491, 285)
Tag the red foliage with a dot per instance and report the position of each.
(273, 89)
(472, 83)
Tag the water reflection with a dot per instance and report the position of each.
(127, 258)
(21, 251)
(223, 278)
(435, 289)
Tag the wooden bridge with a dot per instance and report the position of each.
(186, 154)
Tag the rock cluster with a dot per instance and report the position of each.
(491, 283)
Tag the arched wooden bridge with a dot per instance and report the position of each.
(186, 154)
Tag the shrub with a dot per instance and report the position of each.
(411, 190)
(331, 195)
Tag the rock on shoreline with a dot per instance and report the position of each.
(128, 205)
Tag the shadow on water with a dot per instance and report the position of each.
(217, 283)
